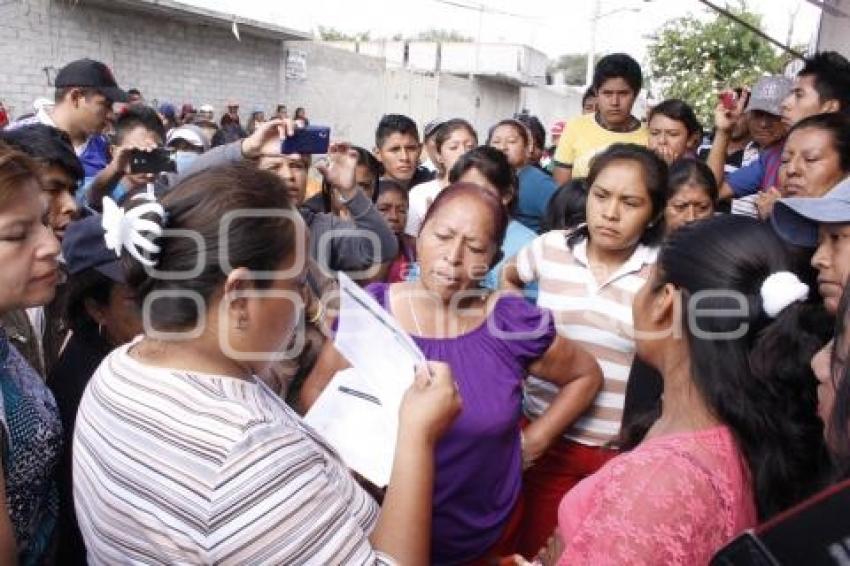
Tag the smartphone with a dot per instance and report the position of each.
(309, 140)
(728, 100)
(157, 161)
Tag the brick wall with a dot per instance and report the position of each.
(168, 60)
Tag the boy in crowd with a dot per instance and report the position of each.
(617, 80)
(397, 147)
(137, 128)
(85, 91)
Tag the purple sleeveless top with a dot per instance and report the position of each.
(478, 460)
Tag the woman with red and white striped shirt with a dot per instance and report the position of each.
(588, 278)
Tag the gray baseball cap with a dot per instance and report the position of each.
(796, 219)
(769, 93)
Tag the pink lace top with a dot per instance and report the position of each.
(674, 499)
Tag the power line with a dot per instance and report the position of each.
(486, 10)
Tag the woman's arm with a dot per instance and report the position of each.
(328, 363)
(580, 378)
(510, 280)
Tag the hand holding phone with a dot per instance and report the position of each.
(155, 161)
(308, 140)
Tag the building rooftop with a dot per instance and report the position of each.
(198, 15)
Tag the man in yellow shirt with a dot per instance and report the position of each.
(617, 80)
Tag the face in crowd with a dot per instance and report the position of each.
(91, 110)
(509, 139)
(28, 250)
(689, 203)
(670, 139)
(765, 128)
(832, 261)
(615, 99)
(392, 204)
(619, 206)
(804, 101)
(292, 169)
(811, 163)
(459, 142)
(456, 245)
(399, 154)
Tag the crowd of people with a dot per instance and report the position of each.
(636, 337)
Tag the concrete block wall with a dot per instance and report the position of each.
(167, 60)
(350, 92)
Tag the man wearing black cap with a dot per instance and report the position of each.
(85, 91)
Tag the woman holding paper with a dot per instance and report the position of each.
(490, 340)
(181, 454)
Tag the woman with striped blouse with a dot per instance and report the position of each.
(181, 454)
(588, 278)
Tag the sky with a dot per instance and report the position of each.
(555, 27)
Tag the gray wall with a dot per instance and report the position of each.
(175, 60)
(350, 92)
(834, 32)
(167, 60)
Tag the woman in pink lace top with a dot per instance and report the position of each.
(723, 453)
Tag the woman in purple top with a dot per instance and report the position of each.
(491, 341)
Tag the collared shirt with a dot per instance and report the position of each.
(595, 315)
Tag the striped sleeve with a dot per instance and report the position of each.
(278, 502)
(528, 259)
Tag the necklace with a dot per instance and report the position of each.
(415, 318)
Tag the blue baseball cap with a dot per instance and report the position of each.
(84, 247)
(796, 219)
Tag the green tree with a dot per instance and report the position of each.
(333, 34)
(693, 60)
(574, 66)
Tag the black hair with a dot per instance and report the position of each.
(497, 211)
(535, 127)
(88, 284)
(447, 128)
(394, 124)
(654, 176)
(494, 166)
(680, 111)
(364, 158)
(618, 66)
(199, 204)
(567, 207)
(838, 125)
(390, 186)
(47, 145)
(138, 116)
(838, 424)
(831, 72)
(745, 365)
(588, 93)
(521, 129)
(689, 171)
(134, 91)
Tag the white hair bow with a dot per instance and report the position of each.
(128, 230)
(781, 289)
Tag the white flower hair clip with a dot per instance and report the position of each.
(780, 290)
(128, 230)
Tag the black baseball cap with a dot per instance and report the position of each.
(88, 73)
(84, 247)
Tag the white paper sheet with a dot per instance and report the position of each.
(375, 344)
(357, 413)
(350, 419)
